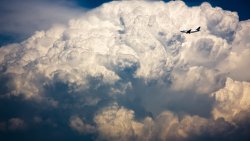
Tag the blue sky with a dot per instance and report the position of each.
(233, 5)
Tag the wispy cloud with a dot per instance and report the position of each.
(22, 18)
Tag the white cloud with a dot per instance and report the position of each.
(117, 123)
(94, 46)
(231, 100)
(28, 16)
(236, 63)
(219, 22)
(198, 79)
(77, 124)
(133, 54)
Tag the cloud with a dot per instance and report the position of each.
(16, 124)
(235, 63)
(117, 123)
(77, 124)
(23, 18)
(231, 100)
(220, 23)
(124, 71)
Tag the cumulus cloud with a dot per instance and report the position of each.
(77, 124)
(115, 122)
(236, 62)
(165, 85)
(231, 100)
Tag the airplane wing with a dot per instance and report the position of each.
(198, 29)
(186, 31)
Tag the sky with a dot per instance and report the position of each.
(13, 29)
(232, 5)
(122, 70)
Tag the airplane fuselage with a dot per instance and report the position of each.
(191, 31)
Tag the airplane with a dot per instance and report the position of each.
(190, 30)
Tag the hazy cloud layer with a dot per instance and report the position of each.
(123, 71)
(21, 19)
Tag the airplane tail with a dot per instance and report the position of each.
(198, 29)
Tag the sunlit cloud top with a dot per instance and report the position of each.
(124, 71)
